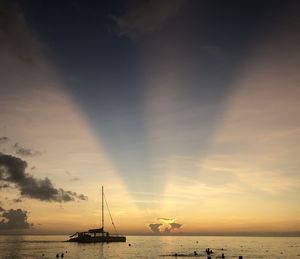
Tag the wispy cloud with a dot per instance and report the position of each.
(5, 185)
(166, 220)
(145, 17)
(17, 200)
(4, 139)
(22, 151)
(73, 178)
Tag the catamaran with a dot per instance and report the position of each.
(98, 235)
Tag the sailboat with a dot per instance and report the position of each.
(98, 235)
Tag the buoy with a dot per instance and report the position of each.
(129, 244)
(62, 255)
(57, 255)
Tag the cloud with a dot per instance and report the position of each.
(166, 220)
(155, 227)
(167, 226)
(5, 185)
(73, 177)
(78, 196)
(25, 151)
(12, 169)
(145, 17)
(14, 219)
(172, 226)
(175, 225)
(4, 140)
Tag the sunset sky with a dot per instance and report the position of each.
(187, 112)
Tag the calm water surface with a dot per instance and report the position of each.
(151, 247)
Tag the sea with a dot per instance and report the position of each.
(27, 246)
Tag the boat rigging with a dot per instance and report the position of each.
(98, 235)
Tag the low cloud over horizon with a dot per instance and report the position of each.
(167, 226)
(14, 219)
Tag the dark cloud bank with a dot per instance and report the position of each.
(14, 219)
(12, 170)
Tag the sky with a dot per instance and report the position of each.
(186, 111)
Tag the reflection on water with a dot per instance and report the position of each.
(150, 247)
(14, 245)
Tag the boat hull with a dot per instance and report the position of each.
(102, 239)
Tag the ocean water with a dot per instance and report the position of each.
(151, 247)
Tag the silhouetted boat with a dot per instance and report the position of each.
(97, 235)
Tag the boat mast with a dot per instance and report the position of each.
(102, 210)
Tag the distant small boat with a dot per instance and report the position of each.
(97, 235)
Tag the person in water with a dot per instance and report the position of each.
(208, 251)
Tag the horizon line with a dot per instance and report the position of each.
(224, 234)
